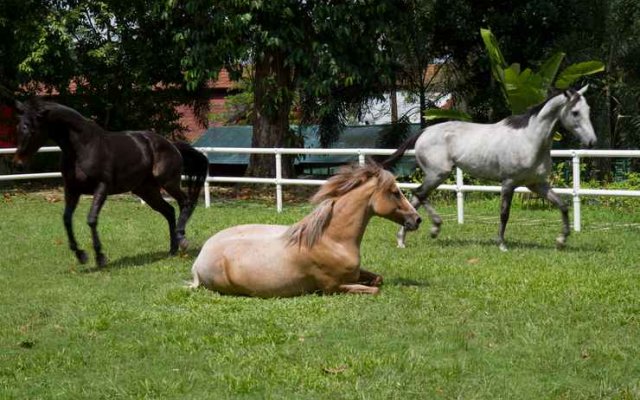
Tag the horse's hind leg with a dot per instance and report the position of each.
(186, 209)
(420, 197)
(152, 196)
(505, 209)
(545, 191)
(99, 197)
(71, 202)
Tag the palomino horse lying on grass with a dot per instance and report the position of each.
(320, 253)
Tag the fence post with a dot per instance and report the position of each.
(361, 159)
(207, 194)
(575, 162)
(278, 179)
(460, 195)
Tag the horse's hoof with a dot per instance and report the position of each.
(184, 244)
(377, 281)
(434, 232)
(101, 260)
(173, 251)
(401, 245)
(561, 242)
(503, 247)
(82, 256)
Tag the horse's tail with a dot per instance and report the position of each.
(393, 158)
(195, 166)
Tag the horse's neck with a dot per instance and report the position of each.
(350, 217)
(70, 130)
(545, 120)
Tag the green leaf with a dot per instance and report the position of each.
(437, 113)
(549, 69)
(575, 71)
(496, 58)
(491, 44)
(523, 89)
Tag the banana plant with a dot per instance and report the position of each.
(525, 88)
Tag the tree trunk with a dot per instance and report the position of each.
(272, 103)
(423, 107)
(393, 97)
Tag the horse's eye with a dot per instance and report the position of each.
(574, 113)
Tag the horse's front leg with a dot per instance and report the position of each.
(70, 204)
(545, 191)
(505, 209)
(369, 278)
(99, 197)
(356, 288)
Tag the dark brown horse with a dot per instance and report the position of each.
(100, 163)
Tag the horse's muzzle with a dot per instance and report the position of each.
(18, 161)
(411, 224)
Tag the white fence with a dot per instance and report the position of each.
(459, 187)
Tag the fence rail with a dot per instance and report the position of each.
(459, 187)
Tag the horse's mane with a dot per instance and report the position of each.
(53, 111)
(308, 230)
(522, 120)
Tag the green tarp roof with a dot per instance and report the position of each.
(352, 137)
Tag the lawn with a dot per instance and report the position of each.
(456, 318)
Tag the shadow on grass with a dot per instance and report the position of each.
(405, 282)
(513, 244)
(140, 260)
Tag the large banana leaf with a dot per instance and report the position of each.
(549, 69)
(575, 71)
(496, 58)
(524, 89)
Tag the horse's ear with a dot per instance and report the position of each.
(19, 107)
(584, 89)
(569, 93)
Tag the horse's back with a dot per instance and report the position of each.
(251, 260)
(158, 154)
(492, 151)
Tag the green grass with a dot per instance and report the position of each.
(456, 317)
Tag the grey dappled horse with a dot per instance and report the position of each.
(514, 151)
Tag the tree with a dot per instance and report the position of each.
(113, 60)
(416, 51)
(332, 53)
(18, 28)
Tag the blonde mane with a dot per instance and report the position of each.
(309, 230)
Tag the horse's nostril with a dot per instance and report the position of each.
(418, 220)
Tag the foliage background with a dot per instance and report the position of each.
(319, 61)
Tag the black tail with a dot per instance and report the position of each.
(195, 166)
(393, 158)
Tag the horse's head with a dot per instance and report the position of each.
(389, 202)
(31, 133)
(575, 117)
(379, 186)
